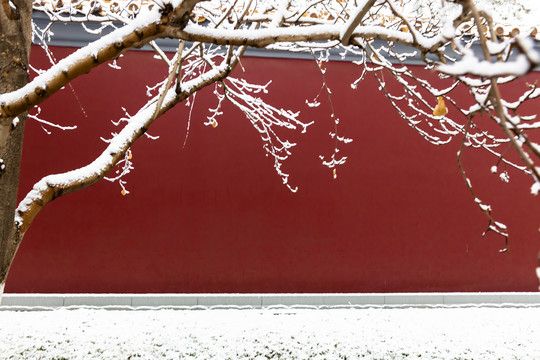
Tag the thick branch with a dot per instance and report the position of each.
(78, 63)
(54, 186)
(139, 32)
(355, 20)
(267, 36)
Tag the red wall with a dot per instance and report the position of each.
(214, 217)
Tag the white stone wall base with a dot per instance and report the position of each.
(247, 301)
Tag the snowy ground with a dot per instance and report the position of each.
(440, 333)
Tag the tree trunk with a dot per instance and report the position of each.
(15, 41)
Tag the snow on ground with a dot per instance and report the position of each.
(372, 333)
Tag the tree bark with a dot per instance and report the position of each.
(15, 42)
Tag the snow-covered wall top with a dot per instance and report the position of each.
(74, 35)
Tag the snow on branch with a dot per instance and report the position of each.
(143, 29)
(53, 186)
(264, 118)
(382, 37)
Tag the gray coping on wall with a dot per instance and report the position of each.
(248, 301)
(74, 35)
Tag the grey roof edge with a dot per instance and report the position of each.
(277, 300)
(73, 35)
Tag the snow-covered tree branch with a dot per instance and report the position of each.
(380, 36)
(53, 186)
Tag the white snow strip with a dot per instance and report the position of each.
(535, 188)
(314, 32)
(253, 35)
(470, 65)
(458, 333)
